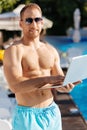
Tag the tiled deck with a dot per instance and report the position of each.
(70, 121)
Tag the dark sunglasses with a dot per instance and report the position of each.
(30, 20)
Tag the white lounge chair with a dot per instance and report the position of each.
(3, 92)
(5, 125)
(5, 103)
(4, 114)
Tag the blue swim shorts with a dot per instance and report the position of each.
(30, 118)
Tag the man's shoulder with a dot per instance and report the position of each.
(17, 42)
(52, 49)
(50, 46)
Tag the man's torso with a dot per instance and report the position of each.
(36, 63)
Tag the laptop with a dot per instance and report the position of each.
(77, 70)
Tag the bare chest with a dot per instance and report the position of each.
(41, 59)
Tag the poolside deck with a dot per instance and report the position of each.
(70, 120)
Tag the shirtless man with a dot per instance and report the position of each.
(31, 66)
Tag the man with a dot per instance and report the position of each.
(31, 67)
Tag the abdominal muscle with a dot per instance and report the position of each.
(38, 98)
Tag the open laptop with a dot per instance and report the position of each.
(77, 70)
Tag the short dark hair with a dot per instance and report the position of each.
(31, 6)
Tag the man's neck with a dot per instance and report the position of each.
(32, 42)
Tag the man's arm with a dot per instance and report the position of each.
(13, 73)
(57, 70)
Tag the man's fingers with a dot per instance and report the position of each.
(77, 82)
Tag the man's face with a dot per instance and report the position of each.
(31, 22)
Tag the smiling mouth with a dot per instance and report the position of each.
(33, 30)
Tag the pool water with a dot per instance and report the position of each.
(63, 44)
(79, 93)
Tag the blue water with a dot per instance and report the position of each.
(79, 93)
(63, 44)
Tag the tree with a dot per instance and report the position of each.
(61, 13)
(7, 5)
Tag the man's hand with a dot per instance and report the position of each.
(56, 80)
(53, 81)
(68, 87)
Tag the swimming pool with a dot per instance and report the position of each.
(79, 95)
(63, 45)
